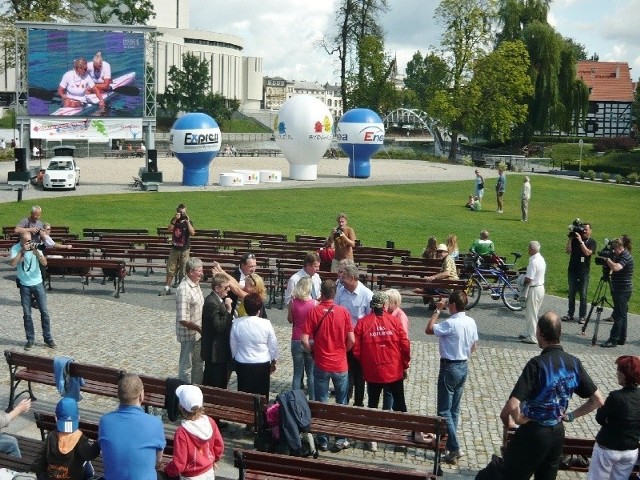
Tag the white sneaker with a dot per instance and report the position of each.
(373, 446)
(342, 444)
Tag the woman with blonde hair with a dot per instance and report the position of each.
(393, 307)
(299, 306)
(452, 246)
(253, 283)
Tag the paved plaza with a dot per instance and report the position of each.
(136, 332)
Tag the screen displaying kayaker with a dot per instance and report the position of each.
(75, 85)
(111, 86)
(100, 72)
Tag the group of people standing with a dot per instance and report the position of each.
(475, 200)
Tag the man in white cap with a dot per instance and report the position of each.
(448, 271)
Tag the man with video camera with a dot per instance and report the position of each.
(580, 247)
(619, 261)
(181, 230)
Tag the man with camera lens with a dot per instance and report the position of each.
(344, 239)
(26, 258)
(181, 230)
(620, 264)
(580, 247)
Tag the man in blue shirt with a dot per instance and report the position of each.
(26, 259)
(131, 441)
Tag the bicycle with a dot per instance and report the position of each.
(500, 281)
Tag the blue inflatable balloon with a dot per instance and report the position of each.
(195, 140)
(360, 134)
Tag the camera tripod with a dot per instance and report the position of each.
(598, 302)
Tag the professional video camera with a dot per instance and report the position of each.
(576, 227)
(606, 252)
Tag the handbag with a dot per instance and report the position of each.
(18, 283)
(481, 186)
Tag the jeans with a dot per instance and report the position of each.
(387, 399)
(534, 450)
(620, 310)
(578, 283)
(321, 387)
(302, 361)
(41, 297)
(9, 445)
(190, 366)
(450, 387)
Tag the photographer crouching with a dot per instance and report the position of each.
(617, 258)
(580, 247)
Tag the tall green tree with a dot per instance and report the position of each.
(355, 20)
(466, 38)
(498, 93)
(134, 12)
(557, 102)
(425, 76)
(372, 87)
(189, 90)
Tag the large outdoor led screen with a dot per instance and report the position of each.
(59, 85)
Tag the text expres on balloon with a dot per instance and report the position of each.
(195, 141)
(303, 130)
(360, 134)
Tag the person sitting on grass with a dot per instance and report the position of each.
(197, 443)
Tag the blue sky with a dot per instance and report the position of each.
(286, 33)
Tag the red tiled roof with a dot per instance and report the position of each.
(608, 81)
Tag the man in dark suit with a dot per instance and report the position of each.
(247, 267)
(217, 316)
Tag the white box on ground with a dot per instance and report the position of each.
(270, 176)
(251, 177)
(231, 180)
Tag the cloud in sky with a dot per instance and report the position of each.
(286, 33)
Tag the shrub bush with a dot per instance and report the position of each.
(582, 174)
(591, 175)
(632, 178)
(624, 144)
(619, 178)
(604, 176)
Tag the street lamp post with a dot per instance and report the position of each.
(581, 143)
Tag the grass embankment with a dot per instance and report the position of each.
(405, 214)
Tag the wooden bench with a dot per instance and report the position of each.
(230, 405)
(406, 285)
(382, 426)
(56, 230)
(253, 465)
(570, 446)
(25, 367)
(255, 236)
(87, 268)
(29, 449)
(99, 232)
(215, 233)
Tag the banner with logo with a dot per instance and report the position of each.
(92, 129)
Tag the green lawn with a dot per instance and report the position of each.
(405, 214)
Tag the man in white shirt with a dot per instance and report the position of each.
(524, 199)
(310, 269)
(533, 292)
(356, 298)
(100, 72)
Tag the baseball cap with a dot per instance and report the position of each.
(189, 396)
(67, 415)
(442, 248)
(379, 299)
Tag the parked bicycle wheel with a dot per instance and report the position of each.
(474, 290)
(511, 295)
